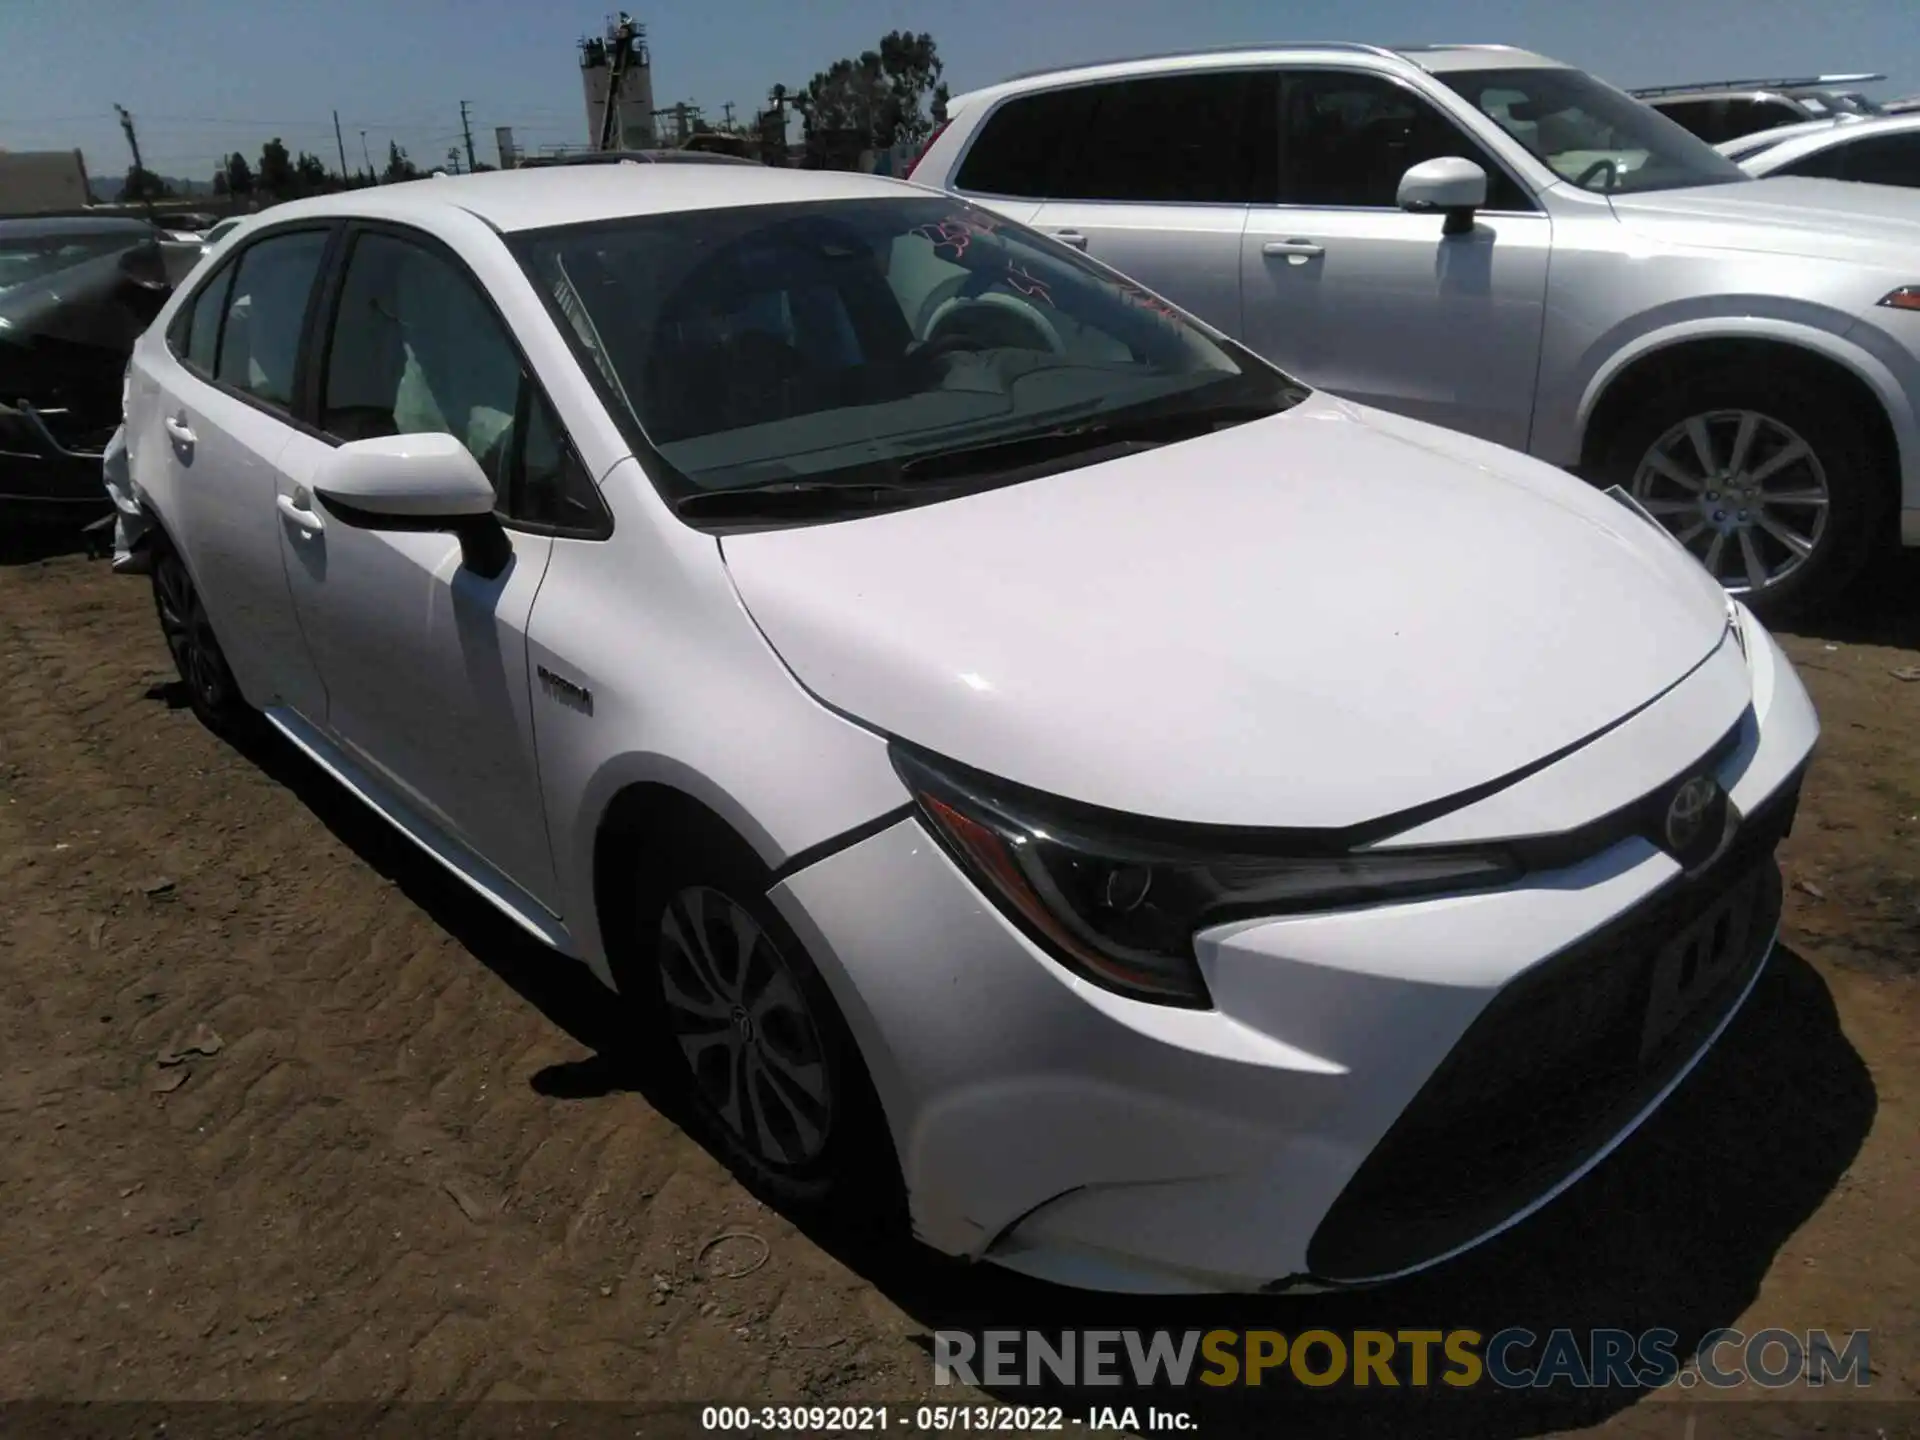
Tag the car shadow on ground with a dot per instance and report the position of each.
(1674, 1231)
(1882, 609)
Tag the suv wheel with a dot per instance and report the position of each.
(197, 656)
(1770, 484)
(754, 1038)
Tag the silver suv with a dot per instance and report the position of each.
(1491, 240)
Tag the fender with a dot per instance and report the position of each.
(1844, 349)
(629, 768)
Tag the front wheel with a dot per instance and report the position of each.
(753, 1036)
(1770, 484)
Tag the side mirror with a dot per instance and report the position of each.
(416, 482)
(146, 265)
(1447, 186)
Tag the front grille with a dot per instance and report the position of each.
(1557, 1065)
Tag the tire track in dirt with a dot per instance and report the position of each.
(359, 1195)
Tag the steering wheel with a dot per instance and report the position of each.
(1611, 167)
(950, 315)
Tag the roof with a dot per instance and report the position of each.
(1436, 58)
(531, 199)
(1742, 146)
(638, 157)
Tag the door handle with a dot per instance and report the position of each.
(1306, 249)
(1071, 237)
(179, 430)
(305, 519)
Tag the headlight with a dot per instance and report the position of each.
(1118, 901)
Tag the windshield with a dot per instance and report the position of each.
(1591, 134)
(25, 257)
(873, 342)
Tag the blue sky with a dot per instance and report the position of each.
(206, 76)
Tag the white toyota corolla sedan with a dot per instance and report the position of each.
(1002, 740)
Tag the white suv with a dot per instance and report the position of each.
(1488, 239)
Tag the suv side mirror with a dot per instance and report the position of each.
(1448, 186)
(416, 482)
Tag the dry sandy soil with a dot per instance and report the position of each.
(395, 1155)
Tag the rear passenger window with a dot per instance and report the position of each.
(1175, 139)
(265, 311)
(1016, 151)
(203, 328)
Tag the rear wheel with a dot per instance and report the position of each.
(1769, 481)
(196, 651)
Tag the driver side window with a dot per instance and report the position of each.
(1347, 138)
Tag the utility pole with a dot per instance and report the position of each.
(467, 130)
(367, 155)
(620, 38)
(133, 144)
(343, 147)
(727, 110)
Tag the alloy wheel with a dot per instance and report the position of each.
(744, 1026)
(1743, 492)
(189, 633)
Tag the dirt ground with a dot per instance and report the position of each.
(286, 1115)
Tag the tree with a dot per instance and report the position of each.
(874, 101)
(144, 185)
(239, 175)
(276, 169)
(399, 167)
(310, 176)
(912, 69)
(220, 183)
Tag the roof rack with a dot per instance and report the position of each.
(1802, 82)
(1348, 46)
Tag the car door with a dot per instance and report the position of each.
(1353, 294)
(1157, 178)
(216, 418)
(424, 660)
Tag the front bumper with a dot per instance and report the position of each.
(1376, 1089)
(45, 477)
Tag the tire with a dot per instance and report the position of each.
(759, 1052)
(197, 656)
(1652, 449)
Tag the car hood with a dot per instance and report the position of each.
(1784, 215)
(1314, 620)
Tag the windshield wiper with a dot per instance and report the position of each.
(1065, 441)
(796, 498)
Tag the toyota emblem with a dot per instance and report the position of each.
(1688, 812)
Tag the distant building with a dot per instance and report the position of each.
(39, 182)
(633, 128)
